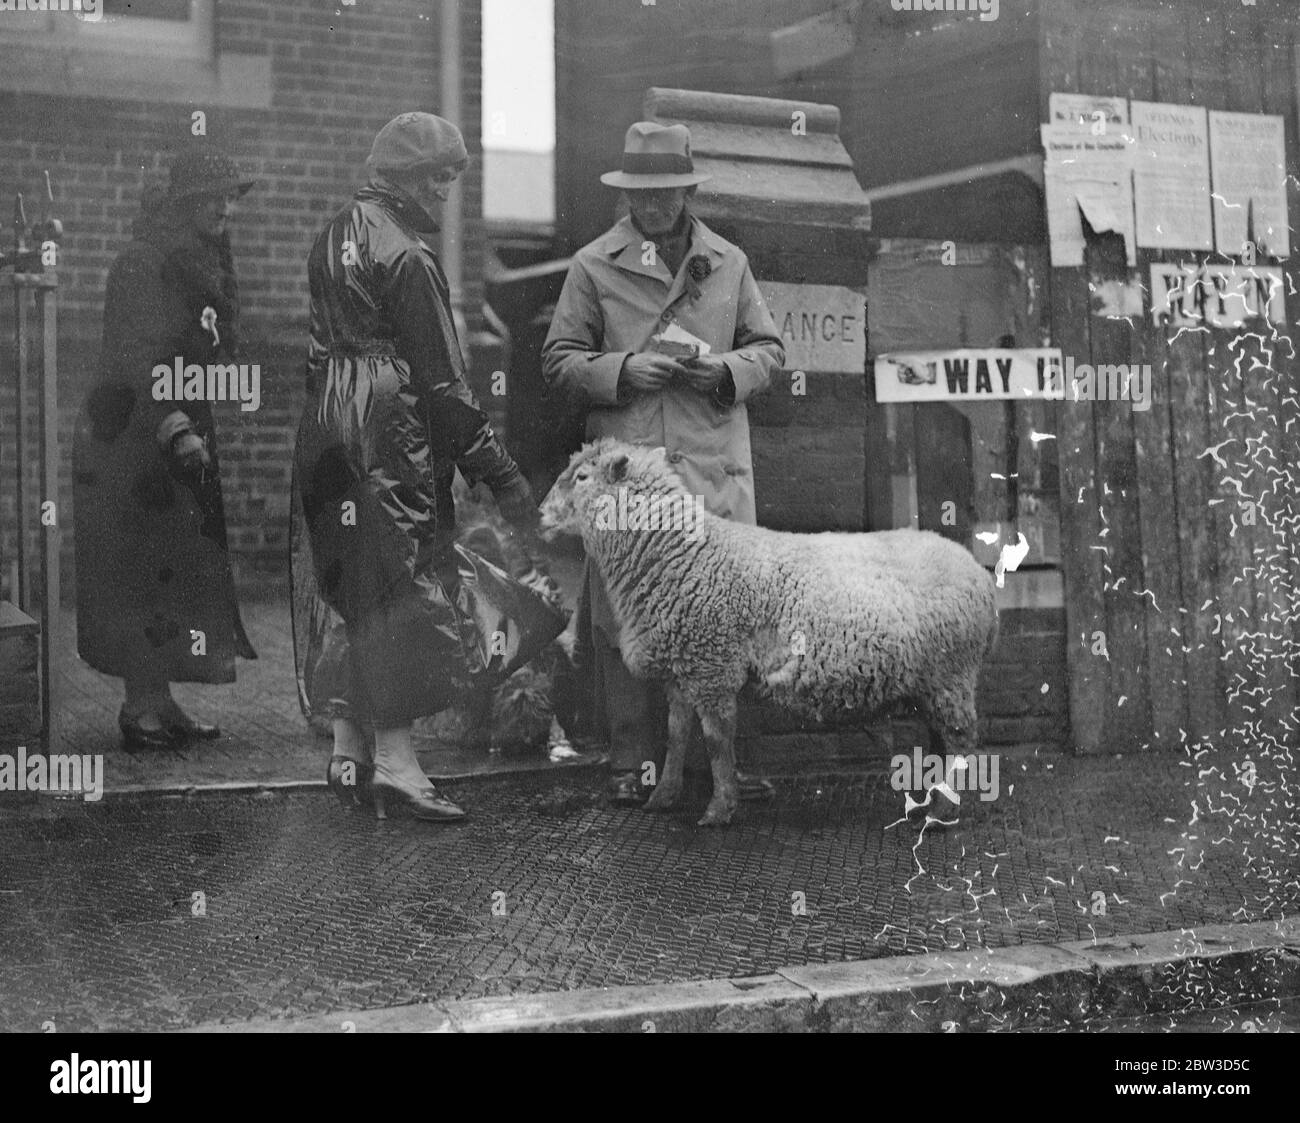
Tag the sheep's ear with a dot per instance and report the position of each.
(616, 470)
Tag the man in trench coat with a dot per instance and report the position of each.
(657, 267)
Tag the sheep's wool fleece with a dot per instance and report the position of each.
(824, 622)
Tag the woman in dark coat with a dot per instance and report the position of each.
(155, 593)
(389, 419)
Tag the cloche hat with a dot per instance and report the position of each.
(205, 170)
(415, 140)
(655, 155)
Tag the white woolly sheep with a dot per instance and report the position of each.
(824, 623)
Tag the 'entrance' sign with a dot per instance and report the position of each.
(823, 327)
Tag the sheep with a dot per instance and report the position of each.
(824, 623)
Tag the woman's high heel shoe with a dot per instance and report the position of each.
(185, 728)
(350, 784)
(422, 803)
(135, 736)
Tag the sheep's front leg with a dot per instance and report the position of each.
(720, 738)
(681, 717)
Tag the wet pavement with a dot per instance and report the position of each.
(164, 912)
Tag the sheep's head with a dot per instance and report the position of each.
(595, 474)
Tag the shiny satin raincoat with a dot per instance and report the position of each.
(388, 419)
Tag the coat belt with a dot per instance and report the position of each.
(363, 348)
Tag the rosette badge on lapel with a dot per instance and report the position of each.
(698, 269)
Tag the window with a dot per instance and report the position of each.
(519, 111)
(132, 50)
(171, 28)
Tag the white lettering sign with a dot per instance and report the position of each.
(987, 374)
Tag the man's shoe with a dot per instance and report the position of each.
(753, 788)
(626, 790)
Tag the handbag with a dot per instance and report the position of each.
(504, 623)
(463, 626)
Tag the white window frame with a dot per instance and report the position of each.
(136, 58)
(192, 40)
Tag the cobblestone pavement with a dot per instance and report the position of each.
(158, 912)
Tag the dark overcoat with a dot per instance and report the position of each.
(155, 592)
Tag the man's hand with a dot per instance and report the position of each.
(517, 506)
(648, 371)
(704, 373)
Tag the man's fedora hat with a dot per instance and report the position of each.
(205, 170)
(655, 155)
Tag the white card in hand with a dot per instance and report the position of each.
(677, 341)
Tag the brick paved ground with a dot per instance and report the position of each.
(309, 909)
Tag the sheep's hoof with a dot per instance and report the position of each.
(664, 797)
(716, 815)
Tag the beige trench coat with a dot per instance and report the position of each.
(611, 304)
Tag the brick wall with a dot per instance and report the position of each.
(335, 75)
(810, 454)
(1023, 693)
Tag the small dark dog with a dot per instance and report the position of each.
(529, 711)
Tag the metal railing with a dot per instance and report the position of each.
(30, 268)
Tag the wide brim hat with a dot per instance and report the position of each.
(204, 170)
(418, 140)
(655, 155)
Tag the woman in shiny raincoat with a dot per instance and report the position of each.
(388, 420)
(155, 594)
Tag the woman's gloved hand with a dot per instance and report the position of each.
(516, 503)
(187, 451)
(190, 452)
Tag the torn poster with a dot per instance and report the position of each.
(1214, 295)
(1118, 300)
(1087, 176)
(1248, 162)
(1099, 114)
(1171, 166)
